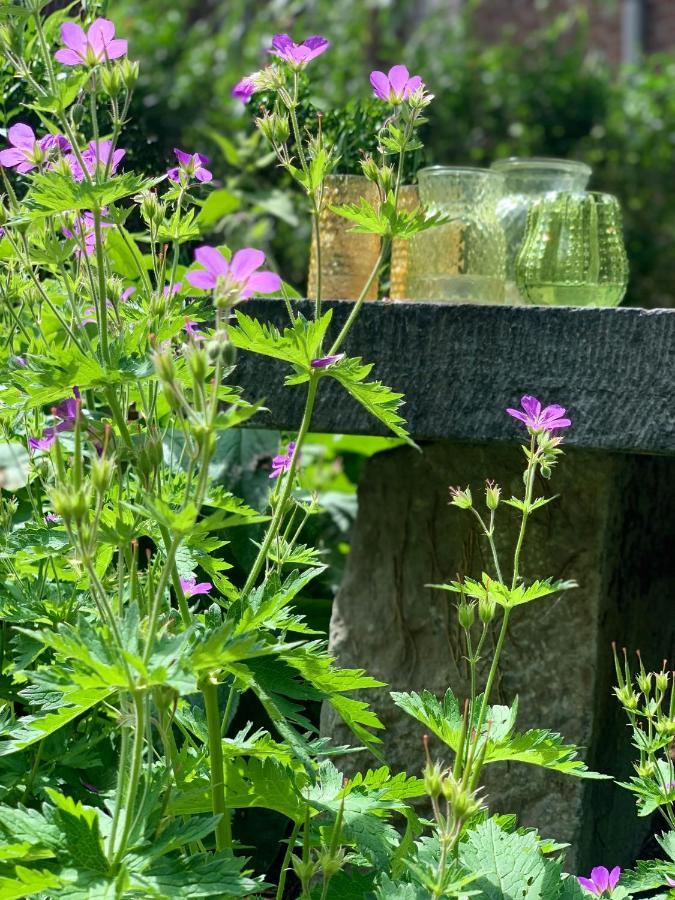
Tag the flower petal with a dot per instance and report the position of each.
(262, 283)
(398, 78)
(212, 260)
(173, 174)
(600, 877)
(74, 38)
(517, 414)
(201, 279)
(414, 84)
(531, 405)
(21, 136)
(68, 58)
(116, 48)
(587, 883)
(380, 84)
(12, 157)
(202, 174)
(183, 157)
(245, 262)
(614, 876)
(100, 33)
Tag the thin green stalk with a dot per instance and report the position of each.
(223, 828)
(275, 524)
(285, 865)
(134, 774)
(234, 691)
(339, 340)
(103, 308)
(121, 772)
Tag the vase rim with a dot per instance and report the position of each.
(596, 195)
(541, 163)
(456, 170)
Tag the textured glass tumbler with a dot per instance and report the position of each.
(573, 253)
(462, 261)
(525, 180)
(347, 257)
(408, 200)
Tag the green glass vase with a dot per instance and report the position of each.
(573, 252)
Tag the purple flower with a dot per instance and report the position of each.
(172, 289)
(240, 274)
(190, 587)
(538, 419)
(27, 151)
(395, 87)
(245, 89)
(127, 292)
(51, 518)
(95, 154)
(43, 443)
(83, 230)
(324, 361)
(19, 361)
(192, 332)
(670, 881)
(297, 55)
(97, 45)
(601, 880)
(66, 415)
(282, 462)
(191, 165)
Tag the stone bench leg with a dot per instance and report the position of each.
(611, 530)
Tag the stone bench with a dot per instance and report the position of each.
(612, 530)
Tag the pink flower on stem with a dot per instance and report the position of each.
(127, 292)
(191, 331)
(172, 289)
(396, 86)
(26, 151)
(66, 412)
(97, 45)
(84, 231)
(537, 419)
(245, 88)
(282, 462)
(191, 165)
(297, 55)
(670, 881)
(190, 587)
(94, 155)
(324, 361)
(240, 274)
(602, 881)
(51, 518)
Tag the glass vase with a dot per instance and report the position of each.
(573, 252)
(408, 200)
(463, 260)
(525, 180)
(347, 257)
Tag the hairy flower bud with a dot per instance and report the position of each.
(644, 682)
(112, 81)
(462, 801)
(661, 681)
(129, 71)
(330, 863)
(461, 498)
(163, 362)
(197, 362)
(386, 179)
(492, 495)
(77, 113)
(213, 617)
(219, 348)
(370, 168)
(102, 470)
(152, 210)
(4, 214)
(486, 609)
(304, 870)
(466, 614)
(433, 777)
(645, 769)
(274, 127)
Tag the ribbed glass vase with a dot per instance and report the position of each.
(525, 180)
(573, 253)
(463, 260)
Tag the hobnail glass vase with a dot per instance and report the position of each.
(463, 260)
(347, 257)
(573, 253)
(525, 180)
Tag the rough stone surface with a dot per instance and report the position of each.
(609, 530)
(460, 365)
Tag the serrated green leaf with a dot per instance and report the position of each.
(298, 344)
(219, 874)
(52, 193)
(28, 883)
(79, 826)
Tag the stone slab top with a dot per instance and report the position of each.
(460, 366)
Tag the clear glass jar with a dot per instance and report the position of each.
(573, 253)
(525, 180)
(463, 260)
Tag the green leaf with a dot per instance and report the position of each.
(79, 826)
(510, 864)
(14, 466)
(380, 401)
(540, 747)
(298, 344)
(27, 883)
(503, 595)
(28, 825)
(218, 204)
(217, 874)
(52, 193)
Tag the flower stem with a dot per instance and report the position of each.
(134, 774)
(286, 860)
(339, 340)
(209, 690)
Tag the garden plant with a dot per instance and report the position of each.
(128, 639)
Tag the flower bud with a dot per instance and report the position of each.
(466, 615)
(197, 362)
(152, 210)
(304, 870)
(77, 113)
(644, 682)
(129, 71)
(645, 769)
(102, 470)
(274, 127)
(330, 863)
(661, 681)
(385, 179)
(370, 168)
(627, 698)
(461, 498)
(486, 609)
(492, 495)
(461, 800)
(112, 81)
(433, 777)
(219, 348)
(4, 214)
(163, 362)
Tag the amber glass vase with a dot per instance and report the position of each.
(347, 257)
(408, 200)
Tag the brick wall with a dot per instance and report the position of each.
(659, 25)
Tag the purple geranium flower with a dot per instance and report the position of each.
(191, 165)
(192, 332)
(190, 587)
(26, 151)
(670, 881)
(396, 86)
(297, 55)
(245, 89)
(240, 274)
(66, 414)
(323, 361)
(51, 518)
(83, 230)
(127, 292)
(282, 462)
(95, 154)
(97, 45)
(601, 880)
(172, 289)
(547, 419)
